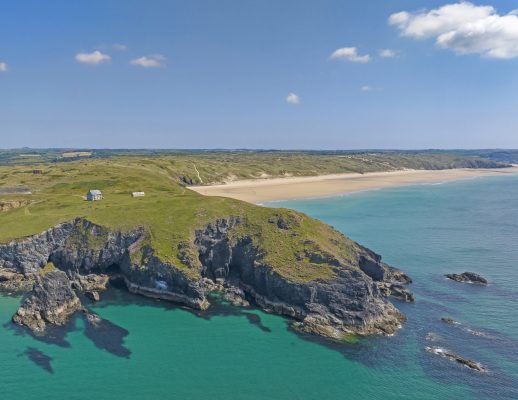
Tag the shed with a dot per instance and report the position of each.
(138, 194)
(94, 195)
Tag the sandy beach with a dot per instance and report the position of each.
(263, 190)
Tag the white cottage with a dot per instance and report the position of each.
(94, 195)
(138, 194)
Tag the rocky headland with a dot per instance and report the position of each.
(222, 258)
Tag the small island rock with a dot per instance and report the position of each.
(467, 277)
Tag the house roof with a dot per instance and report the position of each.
(95, 192)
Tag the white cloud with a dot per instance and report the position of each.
(93, 58)
(292, 98)
(387, 53)
(464, 28)
(152, 61)
(4, 67)
(350, 54)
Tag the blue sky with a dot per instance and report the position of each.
(219, 74)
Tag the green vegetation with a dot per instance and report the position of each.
(298, 247)
(47, 268)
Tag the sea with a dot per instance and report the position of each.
(148, 349)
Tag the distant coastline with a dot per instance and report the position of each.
(290, 188)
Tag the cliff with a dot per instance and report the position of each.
(344, 294)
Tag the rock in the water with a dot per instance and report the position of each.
(467, 277)
(455, 357)
(51, 301)
(449, 321)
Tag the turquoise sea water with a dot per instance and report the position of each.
(153, 350)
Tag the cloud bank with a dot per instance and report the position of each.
(464, 28)
(4, 67)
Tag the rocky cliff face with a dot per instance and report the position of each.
(351, 302)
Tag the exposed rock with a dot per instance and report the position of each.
(352, 301)
(91, 317)
(389, 280)
(90, 282)
(349, 303)
(93, 295)
(449, 321)
(455, 357)
(467, 277)
(51, 301)
(15, 282)
(400, 292)
(236, 296)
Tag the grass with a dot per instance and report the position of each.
(294, 245)
(170, 214)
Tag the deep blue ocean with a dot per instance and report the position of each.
(153, 350)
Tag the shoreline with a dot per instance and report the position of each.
(296, 188)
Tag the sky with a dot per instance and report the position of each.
(290, 74)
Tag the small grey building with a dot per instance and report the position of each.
(94, 195)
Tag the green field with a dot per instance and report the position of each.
(170, 212)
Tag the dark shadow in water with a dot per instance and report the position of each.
(218, 308)
(255, 319)
(55, 335)
(106, 335)
(39, 358)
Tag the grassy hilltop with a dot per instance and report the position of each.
(170, 212)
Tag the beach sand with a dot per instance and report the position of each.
(263, 190)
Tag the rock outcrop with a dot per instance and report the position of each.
(467, 277)
(353, 300)
(349, 303)
(12, 281)
(52, 301)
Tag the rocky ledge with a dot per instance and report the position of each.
(352, 301)
(467, 277)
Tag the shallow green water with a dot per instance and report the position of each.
(171, 353)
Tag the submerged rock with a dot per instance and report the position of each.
(467, 277)
(52, 301)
